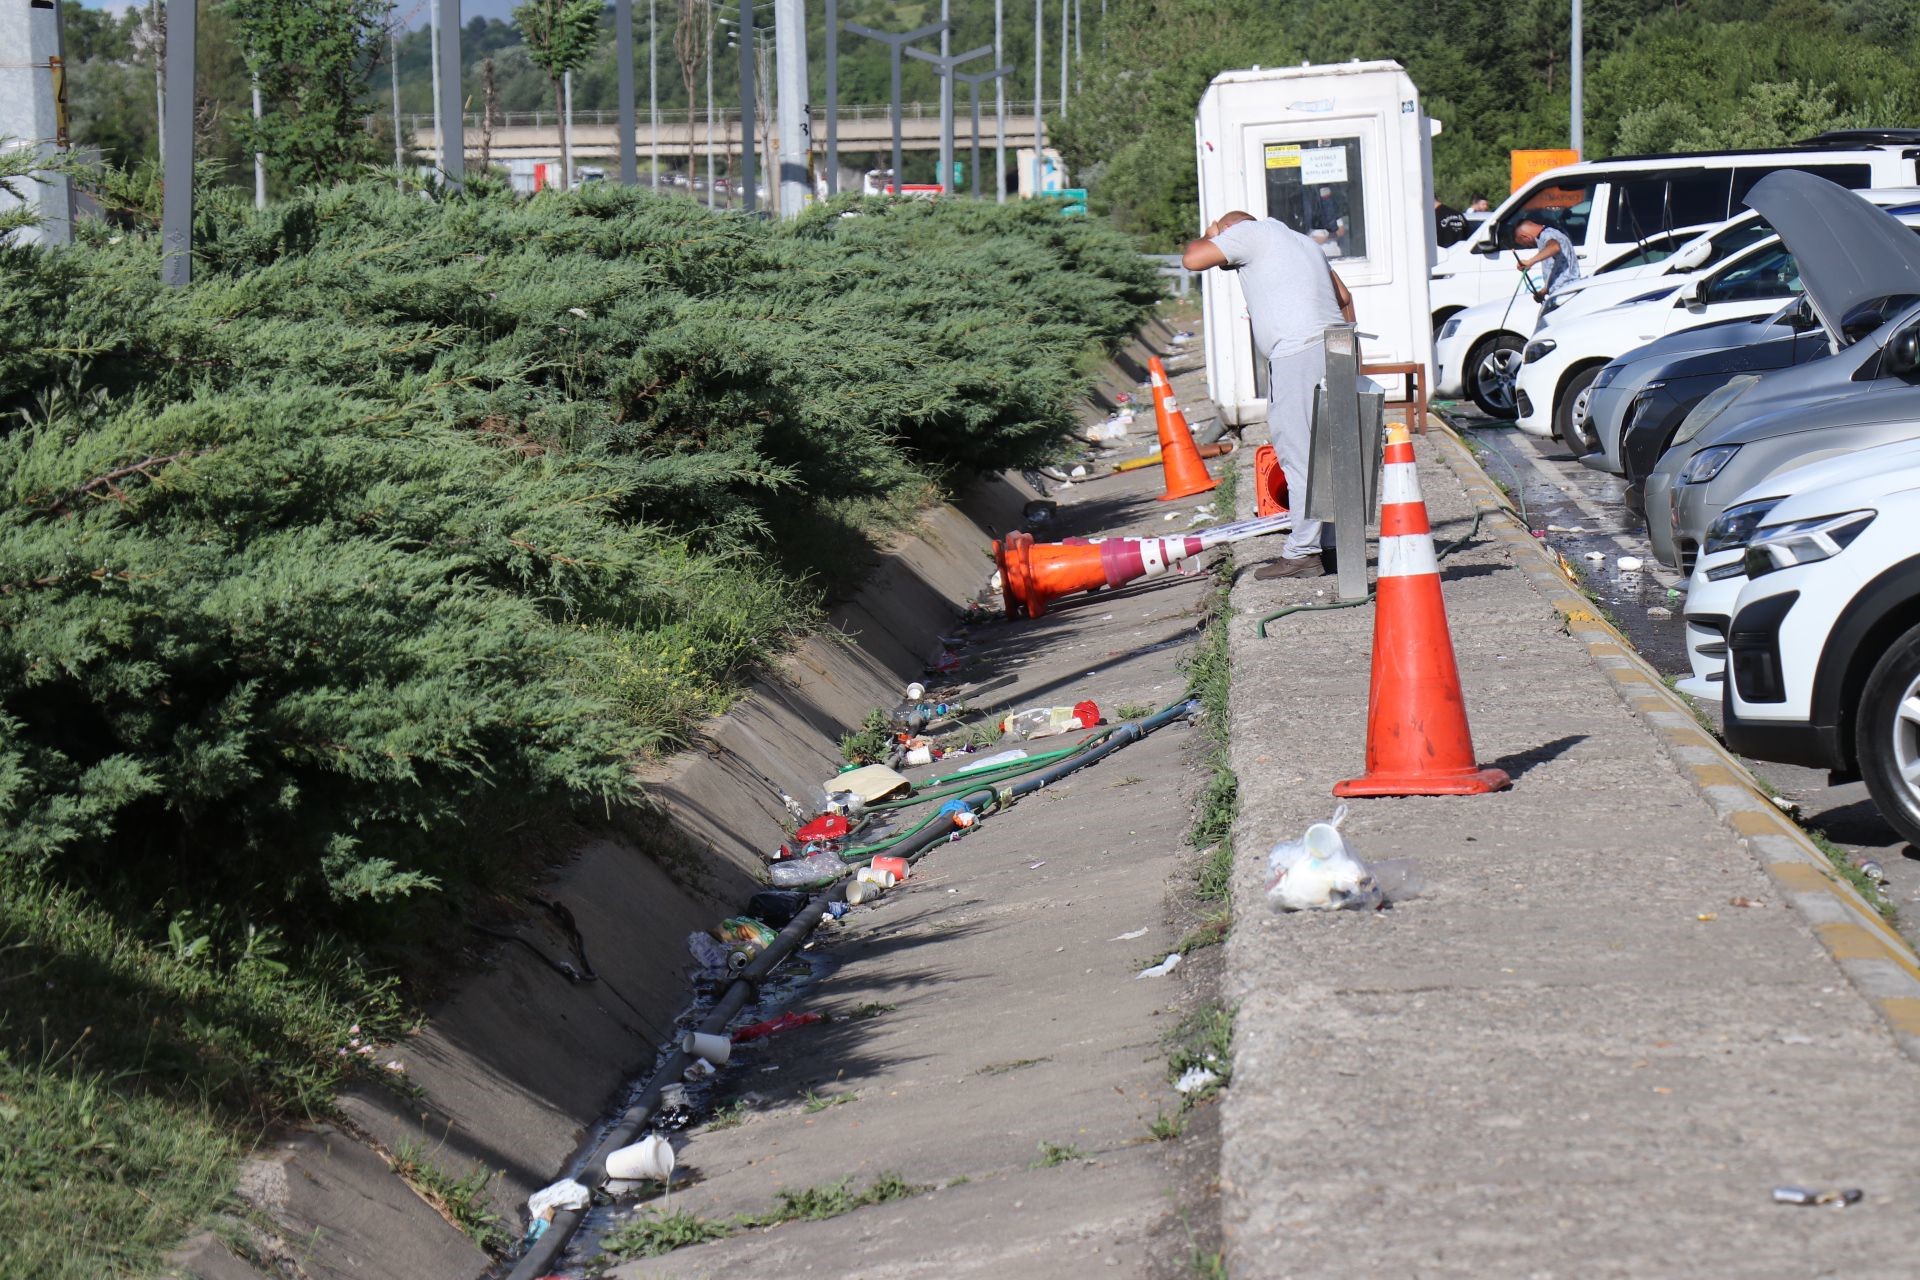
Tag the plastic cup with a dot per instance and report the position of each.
(862, 891)
(885, 879)
(896, 866)
(700, 1044)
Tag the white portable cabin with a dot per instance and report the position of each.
(1344, 153)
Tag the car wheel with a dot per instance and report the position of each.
(1886, 735)
(1572, 419)
(1491, 369)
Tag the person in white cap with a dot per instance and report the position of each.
(1292, 295)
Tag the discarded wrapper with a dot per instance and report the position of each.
(1839, 1199)
(1162, 969)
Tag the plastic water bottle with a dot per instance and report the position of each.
(1045, 722)
(798, 873)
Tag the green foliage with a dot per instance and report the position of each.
(869, 743)
(462, 1200)
(1204, 1038)
(650, 1234)
(415, 517)
(1659, 76)
(1054, 1154)
(311, 58)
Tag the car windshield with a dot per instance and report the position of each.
(1868, 316)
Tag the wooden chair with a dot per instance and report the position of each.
(1416, 402)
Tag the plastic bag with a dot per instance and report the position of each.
(1320, 872)
(800, 873)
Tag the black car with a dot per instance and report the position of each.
(1658, 409)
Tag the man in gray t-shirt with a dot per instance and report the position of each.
(1555, 249)
(1292, 296)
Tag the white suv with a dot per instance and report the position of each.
(1823, 664)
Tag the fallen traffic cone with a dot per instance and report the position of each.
(1186, 474)
(1269, 482)
(1035, 574)
(1418, 743)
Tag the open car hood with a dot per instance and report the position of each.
(1850, 252)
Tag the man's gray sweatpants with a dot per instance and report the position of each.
(1290, 385)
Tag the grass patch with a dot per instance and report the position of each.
(1854, 876)
(1208, 1266)
(1209, 677)
(1133, 710)
(870, 743)
(1165, 1128)
(650, 1234)
(1128, 781)
(1053, 1154)
(1211, 932)
(731, 1116)
(1001, 1068)
(871, 1009)
(462, 1201)
(1204, 1038)
(817, 1103)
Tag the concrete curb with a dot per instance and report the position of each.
(1875, 958)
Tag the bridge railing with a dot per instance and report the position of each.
(422, 122)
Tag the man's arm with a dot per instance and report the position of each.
(1341, 296)
(1203, 253)
(1552, 247)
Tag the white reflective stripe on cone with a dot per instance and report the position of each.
(1407, 555)
(1151, 558)
(1401, 483)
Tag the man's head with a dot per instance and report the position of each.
(1479, 205)
(1527, 234)
(1234, 219)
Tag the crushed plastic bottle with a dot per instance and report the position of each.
(1045, 722)
(800, 873)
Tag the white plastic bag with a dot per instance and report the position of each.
(1320, 872)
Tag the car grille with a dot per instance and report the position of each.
(1689, 552)
(1524, 405)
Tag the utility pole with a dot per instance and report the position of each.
(712, 200)
(33, 116)
(895, 43)
(947, 68)
(1079, 76)
(176, 204)
(1039, 89)
(623, 57)
(1065, 7)
(747, 114)
(833, 97)
(259, 157)
(653, 92)
(999, 105)
(566, 130)
(393, 75)
(796, 116)
(973, 83)
(1579, 115)
(433, 63)
(453, 128)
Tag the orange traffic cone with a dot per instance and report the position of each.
(1035, 574)
(1418, 743)
(1269, 482)
(1186, 474)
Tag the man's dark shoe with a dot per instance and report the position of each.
(1304, 567)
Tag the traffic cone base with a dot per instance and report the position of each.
(1418, 742)
(1186, 474)
(1269, 482)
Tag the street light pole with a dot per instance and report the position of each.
(895, 43)
(623, 54)
(712, 202)
(176, 204)
(795, 115)
(1579, 115)
(946, 97)
(833, 97)
(653, 91)
(999, 106)
(453, 127)
(946, 67)
(973, 83)
(1039, 88)
(1066, 7)
(747, 112)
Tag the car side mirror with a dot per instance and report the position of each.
(1487, 245)
(1903, 354)
(1690, 294)
(1691, 256)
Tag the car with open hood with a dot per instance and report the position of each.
(1860, 269)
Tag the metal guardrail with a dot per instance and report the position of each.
(418, 122)
(1171, 267)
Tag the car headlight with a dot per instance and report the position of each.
(1451, 327)
(1782, 546)
(1637, 407)
(1734, 527)
(1537, 350)
(1708, 463)
(1605, 377)
(1711, 406)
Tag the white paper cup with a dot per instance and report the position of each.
(715, 1049)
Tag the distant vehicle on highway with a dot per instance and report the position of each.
(1823, 661)
(1609, 206)
(1861, 270)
